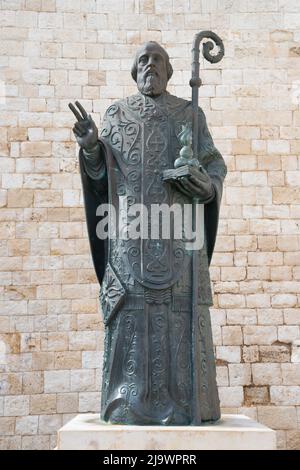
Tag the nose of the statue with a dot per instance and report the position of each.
(151, 69)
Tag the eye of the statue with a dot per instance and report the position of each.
(143, 59)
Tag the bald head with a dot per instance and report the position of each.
(151, 69)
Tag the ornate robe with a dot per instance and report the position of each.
(152, 371)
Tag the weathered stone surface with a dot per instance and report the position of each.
(275, 353)
(257, 395)
(278, 417)
(43, 404)
(285, 395)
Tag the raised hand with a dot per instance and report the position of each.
(85, 129)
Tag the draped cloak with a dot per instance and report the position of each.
(146, 285)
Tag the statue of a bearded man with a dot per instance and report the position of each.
(153, 372)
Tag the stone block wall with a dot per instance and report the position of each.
(51, 335)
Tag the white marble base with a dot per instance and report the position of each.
(234, 432)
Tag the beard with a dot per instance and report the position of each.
(151, 84)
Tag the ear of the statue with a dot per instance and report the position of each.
(134, 71)
(169, 70)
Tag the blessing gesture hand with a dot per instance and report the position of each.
(85, 129)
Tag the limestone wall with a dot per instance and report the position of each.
(50, 331)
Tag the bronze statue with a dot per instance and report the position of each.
(155, 294)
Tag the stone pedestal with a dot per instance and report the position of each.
(234, 432)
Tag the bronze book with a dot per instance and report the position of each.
(176, 173)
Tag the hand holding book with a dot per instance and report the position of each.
(192, 181)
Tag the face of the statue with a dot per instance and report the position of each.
(152, 75)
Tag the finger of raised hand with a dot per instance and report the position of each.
(92, 123)
(77, 132)
(80, 127)
(75, 112)
(81, 109)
